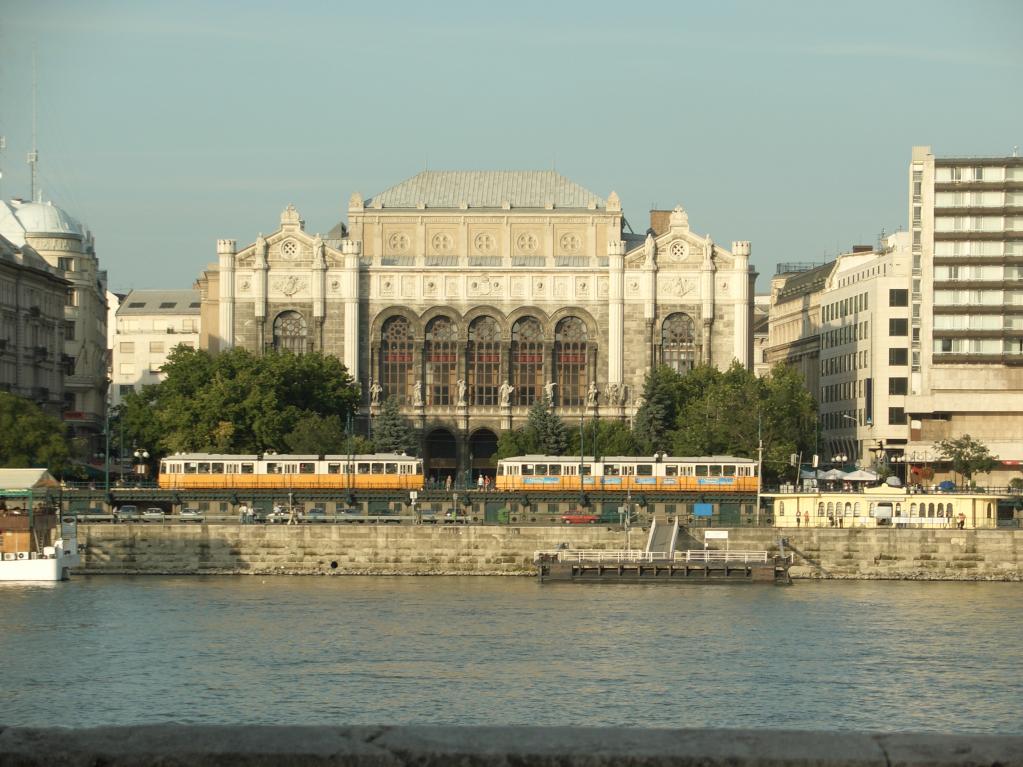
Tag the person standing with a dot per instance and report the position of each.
(479, 483)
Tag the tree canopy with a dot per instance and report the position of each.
(968, 456)
(237, 402)
(29, 438)
(392, 432)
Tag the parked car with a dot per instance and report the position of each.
(349, 515)
(127, 513)
(316, 515)
(154, 514)
(428, 517)
(580, 518)
(282, 515)
(93, 516)
(191, 515)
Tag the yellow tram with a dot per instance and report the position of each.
(381, 471)
(663, 473)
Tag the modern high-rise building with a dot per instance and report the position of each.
(966, 300)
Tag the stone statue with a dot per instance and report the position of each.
(548, 390)
(651, 250)
(506, 391)
(623, 394)
(710, 247)
(375, 390)
(260, 250)
(611, 394)
(319, 259)
(461, 391)
(591, 394)
(417, 393)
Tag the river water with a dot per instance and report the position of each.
(868, 655)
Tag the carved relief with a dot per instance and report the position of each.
(398, 242)
(677, 286)
(408, 286)
(518, 287)
(678, 251)
(430, 287)
(527, 243)
(485, 243)
(632, 288)
(289, 285)
(539, 287)
(603, 287)
(484, 286)
(560, 287)
(582, 287)
(387, 286)
(570, 243)
(289, 250)
(442, 242)
(335, 286)
(451, 288)
(244, 283)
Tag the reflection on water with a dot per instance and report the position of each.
(864, 655)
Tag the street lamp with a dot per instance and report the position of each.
(900, 458)
(141, 456)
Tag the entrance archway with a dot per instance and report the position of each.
(441, 457)
(482, 449)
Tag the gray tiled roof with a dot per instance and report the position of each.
(158, 302)
(803, 283)
(487, 189)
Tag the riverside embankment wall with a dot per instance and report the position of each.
(508, 550)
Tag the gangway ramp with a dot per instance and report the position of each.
(663, 536)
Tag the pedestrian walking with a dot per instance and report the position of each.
(806, 519)
(447, 483)
(479, 483)
(797, 519)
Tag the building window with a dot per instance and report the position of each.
(898, 385)
(483, 363)
(72, 297)
(896, 416)
(898, 297)
(125, 389)
(441, 361)
(396, 358)
(898, 356)
(527, 360)
(66, 263)
(898, 326)
(570, 352)
(69, 331)
(156, 347)
(678, 347)
(127, 347)
(290, 332)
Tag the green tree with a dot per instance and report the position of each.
(392, 432)
(604, 437)
(968, 456)
(514, 442)
(314, 434)
(657, 414)
(545, 429)
(29, 438)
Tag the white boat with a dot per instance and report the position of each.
(53, 563)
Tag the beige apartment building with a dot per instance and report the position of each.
(966, 220)
(150, 324)
(66, 245)
(469, 295)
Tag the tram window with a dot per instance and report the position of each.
(390, 468)
(686, 471)
(290, 468)
(247, 468)
(645, 469)
(728, 471)
(500, 470)
(333, 468)
(611, 469)
(273, 468)
(204, 468)
(586, 469)
(554, 469)
(701, 470)
(527, 470)
(715, 471)
(378, 468)
(628, 469)
(216, 468)
(540, 470)
(671, 471)
(363, 468)
(189, 467)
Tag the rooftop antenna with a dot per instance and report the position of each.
(33, 155)
(1015, 151)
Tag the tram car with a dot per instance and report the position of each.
(717, 474)
(381, 471)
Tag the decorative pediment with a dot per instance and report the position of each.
(678, 249)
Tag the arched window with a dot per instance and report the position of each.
(781, 508)
(678, 344)
(483, 361)
(441, 357)
(856, 508)
(831, 509)
(941, 509)
(989, 511)
(820, 509)
(570, 350)
(848, 509)
(912, 509)
(396, 343)
(527, 360)
(930, 510)
(290, 332)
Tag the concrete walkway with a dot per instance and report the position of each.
(172, 745)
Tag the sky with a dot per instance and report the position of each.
(167, 126)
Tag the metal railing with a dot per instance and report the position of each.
(716, 555)
(599, 556)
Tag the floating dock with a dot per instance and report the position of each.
(661, 563)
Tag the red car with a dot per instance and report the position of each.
(580, 518)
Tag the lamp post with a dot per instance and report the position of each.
(141, 456)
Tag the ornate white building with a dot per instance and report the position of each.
(468, 295)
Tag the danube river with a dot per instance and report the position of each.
(871, 655)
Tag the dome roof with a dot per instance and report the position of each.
(18, 218)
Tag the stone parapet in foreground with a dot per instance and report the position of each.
(169, 745)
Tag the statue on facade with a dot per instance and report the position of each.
(710, 247)
(417, 393)
(375, 390)
(591, 395)
(548, 390)
(611, 394)
(260, 250)
(506, 391)
(319, 257)
(651, 250)
(461, 391)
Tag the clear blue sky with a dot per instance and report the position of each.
(165, 126)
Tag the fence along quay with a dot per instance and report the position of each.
(660, 562)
